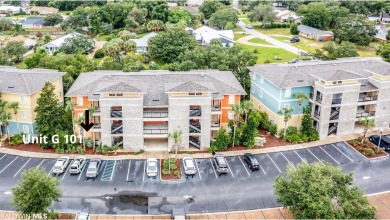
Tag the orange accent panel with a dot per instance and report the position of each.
(154, 122)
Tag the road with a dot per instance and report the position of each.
(123, 188)
(270, 39)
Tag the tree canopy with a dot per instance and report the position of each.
(315, 14)
(53, 19)
(263, 13)
(222, 17)
(354, 28)
(209, 7)
(77, 44)
(384, 52)
(331, 51)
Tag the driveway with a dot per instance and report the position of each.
(270, 39)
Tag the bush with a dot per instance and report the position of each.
(367, 152)
(255, 50)
(165, 172)
(314, 136)
(88, 142)
(80, 150)
(139, 152)
(141, 30)
(173, 166)
(16, 139)
(166, 163)
(378, 150)
(105, 149)
(99, 53)
(266, 61)
(177, 173)
(294, 138)
(303, 137)
(273, 129)
(190, 152)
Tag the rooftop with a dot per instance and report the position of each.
(25, 82)
(207, 34)
(156, 84)
(59, 41)
(311, 30)
(33, 20)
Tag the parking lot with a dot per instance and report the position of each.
(133, 171)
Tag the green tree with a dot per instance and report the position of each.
(4, 57)
(331, 51)
(169, 45)
(69, 106)
(237, 112)
(336, 12)
(321, 191)
(177, 14)
(34, 60)
(177, 137)
(155, 25)
(294, 29)
(14, 106)
(15, 50)
(223, 16)
(53, 19)
(222, 140)
(106, 28)
(136, 17)
(286, 113)
(384, 52)
(246, 106)
(315, 14)
(263, 13)
(5, 116)
(300, 97)
(367, 123)
(209, 7)
(388, 35)
(6, 24)
(250, 131)
(77, 44)
(132, 64)
(160, 12)
(35, 192)
(354, 28)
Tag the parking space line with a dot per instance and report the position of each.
(212, 165)
(50, 171)
(196, 163)
(300, 157)
(274, 163)
(22, 167)
(113, 169)
(244, 166)
(3, 156)
(314, 155)
(128, 171)
(329, 155)
(288, 161)
(143, 177)
(40, 164)
(82, 171)
(342, 153)
(108, 170)
(9, 164)
(229, 168)
(66, 171)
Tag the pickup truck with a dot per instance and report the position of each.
(77, 166)
(60, 165)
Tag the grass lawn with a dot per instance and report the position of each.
(266, 53)
(238, 36)
(238, 29)
(258, 41)
(104, 37)
(20, 16)
(65, 12)
(247, 21)
(279, 31)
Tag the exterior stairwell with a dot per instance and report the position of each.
(116, 129)
(194, 144)
(332, 130)
(197, 129)
(334, 114)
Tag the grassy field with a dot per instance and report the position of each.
(266, 53)
(258, 41)
(279, 31)
(104, 37)
(238, 36)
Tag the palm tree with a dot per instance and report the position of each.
(301, 98)
(176, 136)
(69, 106)
(237, 112)
(367, 123)
(3, 110)
(79, 121)
(4, 118)
(246, 106)
(92, 111)
(15, 107)
(286, 113)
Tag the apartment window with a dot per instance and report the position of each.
(231, 99)
(198, 93)
(230, 115)
(111, 94)
(24, 114)
(22, 99)
(80, 101)
(287, 92)
(260, 94)
(191, 93)
(119, 94)
(261, 79)
(117, 127)
(25, 129)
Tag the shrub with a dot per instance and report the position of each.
(367, 152)
(294, 138)
(89, 142)
(303, 137)
(190, 152)
(177, 173)
(314, 136)
(378, 150)
(99, 53)
(99, 148)
(266, 61)
(16, 139)
(105, 149)
(166, 164)
(165, 172)
(80, 150)
(273, 129)
(255, 50)
(173, 166)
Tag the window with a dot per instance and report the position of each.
(261, 79)
(230, 115)
(260, 94)
(80, 101)
(24, 114)
(191, 93)
(25, 129)
(253, 89)
(231, 99)
(287, 93)
(22, 99)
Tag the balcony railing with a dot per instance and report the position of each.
(116, 114)
(364, 114)
(332, 129)
(216, 108)
(317, 115)
(195, 113)
(155, 114)
(214, 124)
(318, 99)
(367, 98)
(336, 101)
(156, 131)
(334, 115)
(117, 129)
(97, 126)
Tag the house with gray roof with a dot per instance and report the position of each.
(138, 110)
(381, 33)
(34, 23)
(339, 93)
(314, 33)
(142, 43)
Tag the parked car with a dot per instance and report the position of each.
(295, 39)
(249, 26)
(252, 162)
(293, 61)
(77, 166)
(151, 167)
(61, 165)
(93, 168)
(385, 141)
(221, 164)
(83, 216)
(189, 166)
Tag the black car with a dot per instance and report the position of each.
(384, 141)
(295, 39)
(252, 162)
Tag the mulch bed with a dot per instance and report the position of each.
(171, 176)
(370, 146)
(67, 216)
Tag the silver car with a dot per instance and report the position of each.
(189, 166)
(77, 165)
(60, 165)
(151, 167)
(93, 168)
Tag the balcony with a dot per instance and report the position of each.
(334, 115)
(319, 98)
(155, 115)
(156, 130)
(317, 114)
(332, 129)
(364, 114)
(194, 142)
(97, 127)
(195, 128)
(367, 99)
(117, 129)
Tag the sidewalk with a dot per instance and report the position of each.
(163, 155)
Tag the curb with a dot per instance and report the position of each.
(368, 158)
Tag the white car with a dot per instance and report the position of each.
(249, 26)
(151, 167)
(61, 165)
(189, 166)
(77, 166)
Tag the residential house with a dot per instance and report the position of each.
(374, 17)
(314, 33)
(34, 23)
(24, 86)
(381, 33)
(9, 9)
(195, 2)
(204, 35)
(41, 10)
(340, 92)
(142, 43)
(287, 16)
(138, 110)
(56, 44)
(385, 18)
(28, 42)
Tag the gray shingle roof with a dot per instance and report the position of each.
(311, 30)
(33, 20)
(305, 73)
(156, 83)
(24, 81)
(120, 87)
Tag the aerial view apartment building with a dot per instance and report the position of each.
(340, 92)
(138, 110)
(24, 86)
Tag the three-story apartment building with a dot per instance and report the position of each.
(340, 92)
(135, 110)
